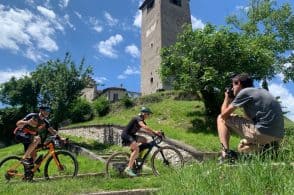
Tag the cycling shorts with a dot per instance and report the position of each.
(25, 138)
(127, 139)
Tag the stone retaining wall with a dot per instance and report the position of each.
(106, 134)
(111, 134)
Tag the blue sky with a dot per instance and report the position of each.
(105, 32)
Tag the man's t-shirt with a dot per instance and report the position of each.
(265, 111)
(133, 125)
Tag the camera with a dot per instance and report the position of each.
(230, 91)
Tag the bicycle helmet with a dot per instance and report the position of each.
(146, 110)
(45, 108)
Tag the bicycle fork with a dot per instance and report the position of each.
(165, 161)
(57, 161)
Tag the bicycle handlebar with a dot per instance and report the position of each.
(158, 138)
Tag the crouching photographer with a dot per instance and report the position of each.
(263, 123)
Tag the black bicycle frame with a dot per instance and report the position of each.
(140, 162)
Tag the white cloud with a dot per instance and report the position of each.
(242, 8)
(96, 24)
(285, 66)
(287, 99)
(98, 28)
(67, 20)
(131, 70)
(121, 76)
(197, 23)
(138, 19)
(110, 20)
(78, 14)
(46, 12)
(100, 80)
(106, 47)
(288, 65)
(25, 32)
(34, 55)
(41, 32)
(133, 50)
(5, 75)
(63, 3)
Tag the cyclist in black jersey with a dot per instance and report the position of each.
(29, 129)
(129, 137)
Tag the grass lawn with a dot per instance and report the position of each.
(184, 121)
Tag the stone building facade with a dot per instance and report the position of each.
(114, 94)
(162, 20)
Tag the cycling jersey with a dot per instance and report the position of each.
(134, 126)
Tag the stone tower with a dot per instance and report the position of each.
(162, 20)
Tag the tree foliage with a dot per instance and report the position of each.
(101, 106)
(21, 92)
(81, 110)
(8, 118)
(203, 60)
(56, 83)
(60, 83)
(275, 26)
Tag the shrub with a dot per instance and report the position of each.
(127, 102)
(101, 106)
(81, 110)
(8, 119)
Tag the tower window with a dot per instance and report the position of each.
(176, 2)
(151, 80)
(150, 5)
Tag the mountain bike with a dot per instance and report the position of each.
(58, 163)
(164, 159)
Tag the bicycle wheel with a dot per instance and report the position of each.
(65, 165)
(166, 159)
(11, 169)
(116, 164)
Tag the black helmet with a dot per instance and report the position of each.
(146, 110)
(45, 108)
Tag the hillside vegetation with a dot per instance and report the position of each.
(183, 120)
(179, 115)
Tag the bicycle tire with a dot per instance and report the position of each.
(6, 164)
(157, 161)
(68, 162)
(116, 164)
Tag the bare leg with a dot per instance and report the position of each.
(32, 146)
(223, 133)
(135, 148)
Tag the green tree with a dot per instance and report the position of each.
(81, 110)
(274, 25)
(203, 60)
(287, 67)
(8, 118)
(61, 83)
(21, 92)
(101, 106)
